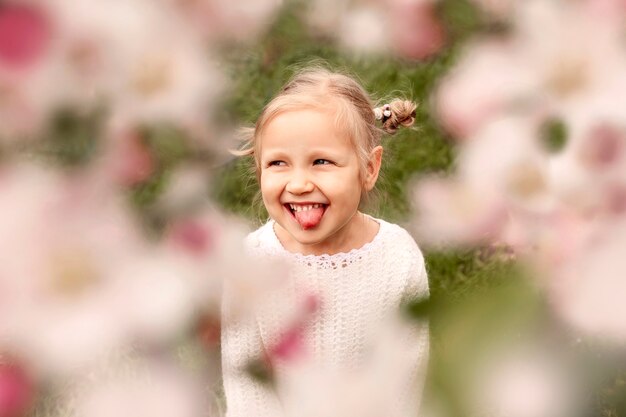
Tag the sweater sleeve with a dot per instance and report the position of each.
(241, 343)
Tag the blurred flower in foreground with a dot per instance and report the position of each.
(77, 277)
(138, 60)
(415, 31)
(540, 163)
(127, 159)
(155, 390)
(408, 28)
(589, 290)
(24, 35)
(557, 59)
(332, 391)
(240, 20)
(16, 389)
(524, 385)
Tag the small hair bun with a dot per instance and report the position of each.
(395, 114)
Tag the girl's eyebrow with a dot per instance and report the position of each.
(315, 152)
(328, 150)
(273, 154)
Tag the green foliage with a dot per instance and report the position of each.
(554, 135)
(72, 139)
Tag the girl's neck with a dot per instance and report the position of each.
(359, 231)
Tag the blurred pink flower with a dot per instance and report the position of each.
(588, 175)
(397, 354)
(603, 146)
(16, 390)
(219, 20)
(127, 158)
(506, 157)
(141, 60)
(166, 80)
(415, 32)
(210, 330)
(325, 16)
(454, 213)
(80, 278)
(490, 78)
(193, 237)
(363, 29)
(556, 59)
(24, 34)
(524, 384)
(156, 390)
(291, 344)
(502, 174)
(27, 37)
(587, 292)
(408, 28)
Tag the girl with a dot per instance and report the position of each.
(317, 152)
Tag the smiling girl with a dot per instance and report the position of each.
(317, 150)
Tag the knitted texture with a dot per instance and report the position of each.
(358, 292)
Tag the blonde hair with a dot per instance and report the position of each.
(320, 88)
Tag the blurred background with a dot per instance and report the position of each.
(122, 212)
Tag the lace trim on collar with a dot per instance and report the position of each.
(273, 247)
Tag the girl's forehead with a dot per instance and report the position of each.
(304, 128)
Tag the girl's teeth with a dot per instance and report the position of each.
(296, 207)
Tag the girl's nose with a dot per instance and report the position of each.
(299, 184)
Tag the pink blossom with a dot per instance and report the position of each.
(219, 20)
(24, 35)
(396, 355)
(325, 16)
(88, 280)
(363, 30)
(454, 213)
(587, 291)
(209, 331)
(524, 384)
(291, 345)
(127, 159)
(465, 101)
(556, 59)
(16, 390)
(193, 236)
(507, 158)
(155, 389)
(416, 32)
(603, 146)
(588, 174)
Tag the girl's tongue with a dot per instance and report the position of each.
(308, 219)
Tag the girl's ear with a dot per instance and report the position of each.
(373, 167)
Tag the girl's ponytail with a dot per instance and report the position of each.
(395, 114)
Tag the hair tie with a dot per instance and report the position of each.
(383, 112)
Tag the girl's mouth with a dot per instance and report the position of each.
(308, 216)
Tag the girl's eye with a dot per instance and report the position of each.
(322, 162)
(276, 163)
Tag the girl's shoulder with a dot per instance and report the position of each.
(263, 239)
(397, 238)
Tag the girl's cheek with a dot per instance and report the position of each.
(269, 182)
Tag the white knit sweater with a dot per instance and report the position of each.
(358, 290)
